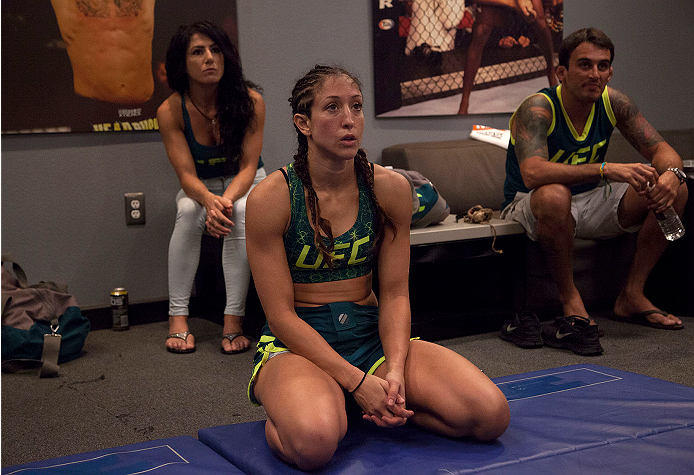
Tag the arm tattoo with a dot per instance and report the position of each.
(632, 124)
(530, 125)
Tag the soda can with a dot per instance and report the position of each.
(119, 309)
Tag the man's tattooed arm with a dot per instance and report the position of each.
(633, 125)
(530, 125)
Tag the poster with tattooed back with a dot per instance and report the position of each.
(92, 65)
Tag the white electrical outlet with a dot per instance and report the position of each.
(134, 208)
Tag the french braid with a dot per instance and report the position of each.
(303, 95)
(364, 171)
(319, 224)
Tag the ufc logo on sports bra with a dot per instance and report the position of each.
(582, 155)
(301, 261)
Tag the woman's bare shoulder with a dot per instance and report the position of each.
(269, 198)
(273, 189)
(255, 95)
(393, 192)
(388, 181)
(170, 110)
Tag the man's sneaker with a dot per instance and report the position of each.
(573, 333)
(524, 330)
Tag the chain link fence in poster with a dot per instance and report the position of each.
(432, 49)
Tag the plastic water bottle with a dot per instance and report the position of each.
(670, 223)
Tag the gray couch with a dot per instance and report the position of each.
(469, 172)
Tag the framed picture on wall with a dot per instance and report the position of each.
(450, 57)
(92, 66)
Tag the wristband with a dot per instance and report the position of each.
(362, 380)
(602, 168)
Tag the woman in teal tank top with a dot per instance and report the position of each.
(212, 128)
(330, 346)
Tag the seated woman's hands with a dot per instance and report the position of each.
(219, 211)
(383, 400)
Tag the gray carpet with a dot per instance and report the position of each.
(126, 388)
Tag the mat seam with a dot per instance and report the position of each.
(579, 449)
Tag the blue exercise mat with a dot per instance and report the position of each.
(183, 455)
(580, 419)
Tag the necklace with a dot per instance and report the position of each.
(211, 119)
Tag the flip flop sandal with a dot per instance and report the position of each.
(183, 336)
(231, 337)
(639, 318)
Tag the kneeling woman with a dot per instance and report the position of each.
(315, 230)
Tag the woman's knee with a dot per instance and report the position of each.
(189, 213)
(238, 216)
(240, 206)
(305, 434)
(483, 415)
(492, 416)
(312, 441)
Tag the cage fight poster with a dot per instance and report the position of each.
(446, 57)
(95, 65)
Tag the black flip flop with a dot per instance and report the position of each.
(639, 318)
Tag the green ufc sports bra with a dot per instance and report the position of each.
(353, 253)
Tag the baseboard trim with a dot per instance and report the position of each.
(211, 309)
(138, 314)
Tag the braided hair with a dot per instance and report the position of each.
(235, 110)
(303, 95)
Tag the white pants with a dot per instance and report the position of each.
(184, 249)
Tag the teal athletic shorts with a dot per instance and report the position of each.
(351, 329)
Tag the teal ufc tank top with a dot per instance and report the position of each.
(209, 159)
(564, 144)
(353, 252)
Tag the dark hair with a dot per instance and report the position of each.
(590, 35)
(303, 95)
(235, 109)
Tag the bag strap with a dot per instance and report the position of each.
(19, 274)
(5, 298)
(51, 351)
(48, 364)
(22, 281)
(17, 270)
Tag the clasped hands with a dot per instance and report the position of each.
(219, 210)
(659, 191)
(383, 400)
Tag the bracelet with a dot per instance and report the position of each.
(602, 168)
(681, 176)
(362, 380)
